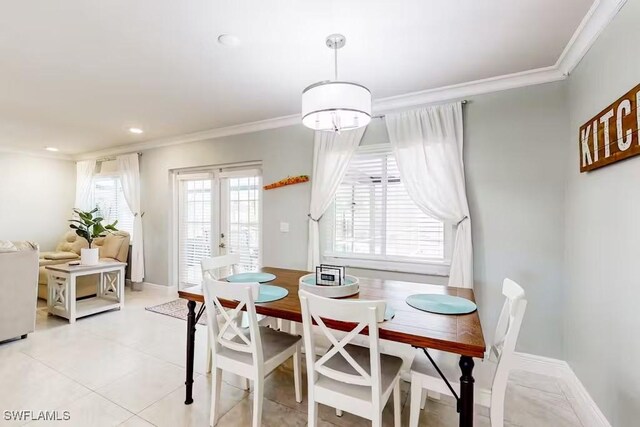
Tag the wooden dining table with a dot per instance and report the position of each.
(458, 334)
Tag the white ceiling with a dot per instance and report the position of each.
(76, 74)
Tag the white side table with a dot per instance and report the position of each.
(61, 289)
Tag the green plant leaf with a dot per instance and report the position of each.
(98, 229)
(83, 234)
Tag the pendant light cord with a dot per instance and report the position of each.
(335, 59)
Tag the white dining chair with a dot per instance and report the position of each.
(490, 375)
(348, 377)
(252, 352)
(215, 268)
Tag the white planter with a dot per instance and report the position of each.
(89, 256)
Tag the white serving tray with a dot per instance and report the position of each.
(330, 291)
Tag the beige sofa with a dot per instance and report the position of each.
(113, 247)
(18, 285)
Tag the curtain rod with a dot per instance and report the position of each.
(107, 159)
(382, 116)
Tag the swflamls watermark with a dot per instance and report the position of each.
(30, 415)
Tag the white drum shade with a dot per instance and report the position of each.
(335, 105)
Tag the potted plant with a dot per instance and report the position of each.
(90, 228)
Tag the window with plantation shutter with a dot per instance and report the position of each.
(109, 199)
(373, 218)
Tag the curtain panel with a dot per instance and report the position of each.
(84, 177)
(332, 153)
(129, 169)
(428, 146)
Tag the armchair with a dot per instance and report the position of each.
(18, 284)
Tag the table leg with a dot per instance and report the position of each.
(121, 281)
(71, 295)
(466, 392)
(191, 340)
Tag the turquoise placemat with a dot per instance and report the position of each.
(270, 293)
(311, 280)
(251, 277)
(441, 304)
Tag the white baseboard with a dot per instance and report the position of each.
(168, 290)
(588, 411)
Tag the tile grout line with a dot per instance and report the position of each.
(91, 390)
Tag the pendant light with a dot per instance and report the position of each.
(334, 105)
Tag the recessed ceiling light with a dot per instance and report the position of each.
(228, 40)
(54, 149)
(137, 131)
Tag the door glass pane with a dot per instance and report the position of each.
(194, 229)
(244, 220)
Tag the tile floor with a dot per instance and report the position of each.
(127, 368)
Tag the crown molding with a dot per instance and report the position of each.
(35, 153)
(477, 87)
(274, 123)
(380, 106)
(594, 22)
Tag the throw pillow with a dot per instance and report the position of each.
(111, 246)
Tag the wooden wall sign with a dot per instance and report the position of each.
(612, 135)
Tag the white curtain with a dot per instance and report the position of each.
(129, 169)
(428, 147)
(331, 155)
(84, 185)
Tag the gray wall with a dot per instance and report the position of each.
(36, 197)
(283, 152)
(514, 142)
(602, 320)
(515, 191)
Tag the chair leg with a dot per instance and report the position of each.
(209, 354)
(313, 414)
(496, 411)
(416, 397)
(297, 373)
(396, 404)
(258, 392)
(423, 398)
(216, 382)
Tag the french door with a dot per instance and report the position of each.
(218, 212)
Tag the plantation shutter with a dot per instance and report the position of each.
(111, 204)
(195, 225)
(375, 218)
(244, 189)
